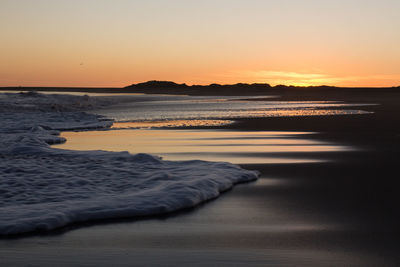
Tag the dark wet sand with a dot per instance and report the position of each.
(338, 213)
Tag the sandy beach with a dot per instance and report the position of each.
(338, 212)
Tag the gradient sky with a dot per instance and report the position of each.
(119, 42)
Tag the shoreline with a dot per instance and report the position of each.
(342, 212)
(45, 188)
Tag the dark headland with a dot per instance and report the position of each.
(168, 87)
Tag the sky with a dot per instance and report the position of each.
(114, 43)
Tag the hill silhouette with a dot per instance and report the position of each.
(175, 88)
(239, 89)
(168, 87)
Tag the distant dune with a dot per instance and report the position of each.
(169, 87)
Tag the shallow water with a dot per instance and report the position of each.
(212, 145)
(251, 226)
(275, 221)
(158, 107)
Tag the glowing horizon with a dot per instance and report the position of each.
(100, 43)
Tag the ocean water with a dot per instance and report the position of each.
(276, 220)
(44, 188)
(164, 108)
(211, 145)
(142, 123)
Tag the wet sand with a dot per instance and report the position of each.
(340, 212)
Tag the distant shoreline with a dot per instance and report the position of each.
(165, 87)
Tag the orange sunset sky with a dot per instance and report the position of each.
(115, 43)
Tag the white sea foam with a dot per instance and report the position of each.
(42, 188)
(33, 101)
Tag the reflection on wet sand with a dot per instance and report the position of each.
(168, 123)
(212, 145)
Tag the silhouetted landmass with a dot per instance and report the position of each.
(167, 87)
(164, 87)
(243, 89)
